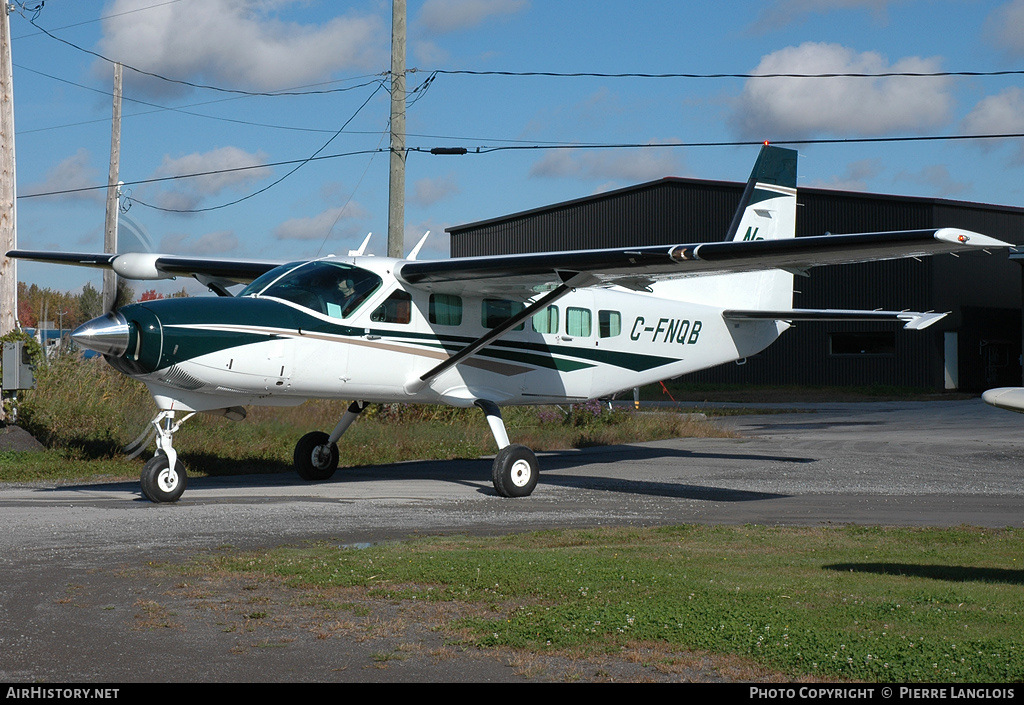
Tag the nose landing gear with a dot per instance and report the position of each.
(163, 477)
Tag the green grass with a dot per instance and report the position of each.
(872, 604)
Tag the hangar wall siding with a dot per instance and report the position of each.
(982, 291)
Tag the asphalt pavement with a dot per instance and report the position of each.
(80, 600)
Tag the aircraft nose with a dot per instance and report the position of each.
(107, 335)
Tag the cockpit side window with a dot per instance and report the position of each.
(396, 309)
(333, 288)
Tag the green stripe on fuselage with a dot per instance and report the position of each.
(202, 325)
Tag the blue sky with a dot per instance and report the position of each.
(314, 48)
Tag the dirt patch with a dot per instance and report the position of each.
(372, 636)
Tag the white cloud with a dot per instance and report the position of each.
(784, 12)
(774, 108)
(427, 192)
(998, 114)
(320, 226)
(937, 181)
(634, 165)
(441, 16)
(1006, 26)
(855, 178)
(222, 170)
(75, 172)
(237, 43)
(215, 243)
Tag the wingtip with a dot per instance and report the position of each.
(968, 238)
(1008, 398)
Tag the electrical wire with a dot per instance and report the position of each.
(488, 150)
(195, 175)
(593, 74)
(181, 82)
(731, 143)
(269, 186)
(37, 9)
(167, 108)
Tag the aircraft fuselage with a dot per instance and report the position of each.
(207, 353)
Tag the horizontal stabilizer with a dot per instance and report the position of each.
(912, 320)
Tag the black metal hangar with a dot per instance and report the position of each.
(976, 347)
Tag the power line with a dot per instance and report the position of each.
(180, 109)
(851, 74)
(211, 172)
(488, 150)
(269, 186)
(182, 82)
(734, 143)
(36, 10)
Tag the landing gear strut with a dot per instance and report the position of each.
(316, 453)
(163, 477)
(515, 469)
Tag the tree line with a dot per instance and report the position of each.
(67, 309)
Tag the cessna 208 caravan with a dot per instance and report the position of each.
(539, 328)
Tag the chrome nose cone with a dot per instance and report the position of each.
(107, 335)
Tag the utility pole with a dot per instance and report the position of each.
(396, 193)
(113, 203)
(8, 200)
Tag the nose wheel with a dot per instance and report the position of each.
(161, 482)
(163, 477)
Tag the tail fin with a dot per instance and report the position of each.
(767, 211)
(768, 208)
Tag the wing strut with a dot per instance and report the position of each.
(571, 280)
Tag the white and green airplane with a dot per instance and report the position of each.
(543, 328)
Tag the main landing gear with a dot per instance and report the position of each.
(514, 472)
(316, 453)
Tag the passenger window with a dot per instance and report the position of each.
(445, 309)
(397, 308)
(494, 312)
(577, 322)
(546, 321)
(609, 323)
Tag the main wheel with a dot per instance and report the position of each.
(514, 472)
(315, 460)
(161, 483)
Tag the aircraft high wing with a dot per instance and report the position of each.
(538, 328)
(524, 275)
(1009, 398)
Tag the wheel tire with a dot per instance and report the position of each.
(160, 483)
(315, 461)
(515, 471)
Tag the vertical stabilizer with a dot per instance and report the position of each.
(767, 211)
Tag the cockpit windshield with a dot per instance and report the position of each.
(334, 288)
